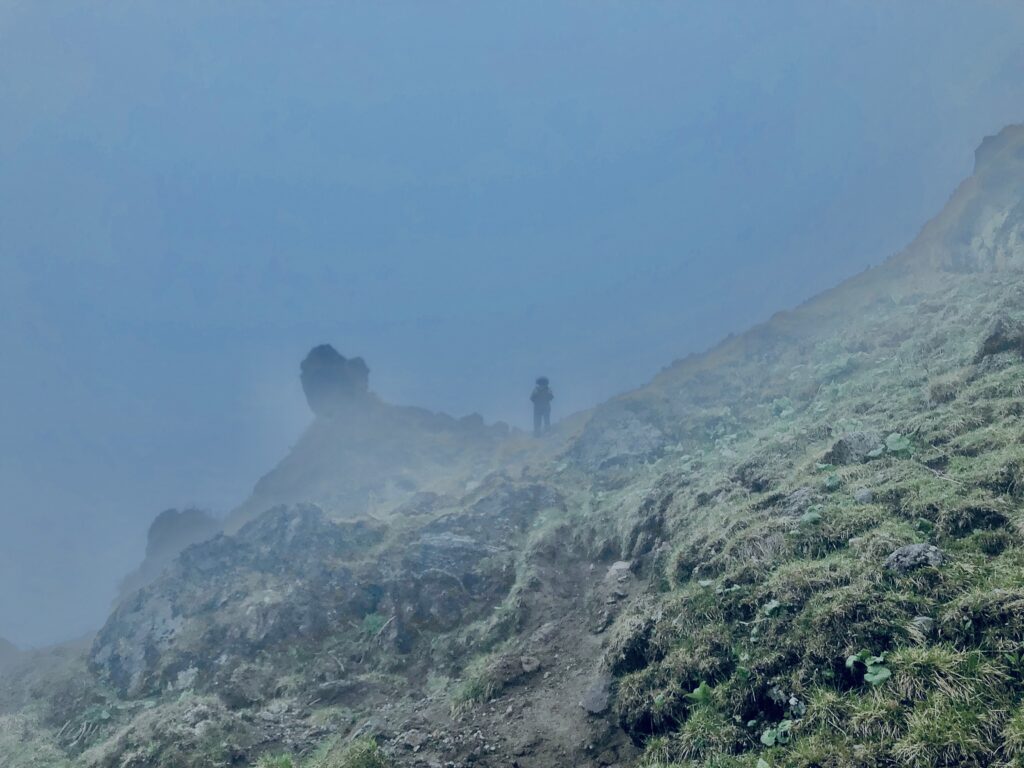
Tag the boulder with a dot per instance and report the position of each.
(597, 698)
(914, 556)
(854, 448)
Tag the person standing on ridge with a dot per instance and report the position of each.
(542, 397)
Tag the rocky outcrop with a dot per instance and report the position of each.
(171, 532)
(364, 456)
(914, 556)
(332, 382)
(294, 579)
(285, 577)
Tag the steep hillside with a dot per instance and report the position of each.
(803, 548)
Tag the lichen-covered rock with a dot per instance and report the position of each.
(854, 448)
(913, 556)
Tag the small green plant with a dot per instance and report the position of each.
(373, 623)
(700, 695)
(875, 671)
(811, 517)
(778, 734)
(896, 444)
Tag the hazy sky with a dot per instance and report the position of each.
(192, 194)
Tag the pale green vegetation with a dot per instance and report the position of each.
(814, 652)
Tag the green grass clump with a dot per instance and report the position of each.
(947, 732)
(361, 753)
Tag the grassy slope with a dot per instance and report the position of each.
(764, 608)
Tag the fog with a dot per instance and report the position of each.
(467, 195)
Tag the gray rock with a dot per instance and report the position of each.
(864, 496)
(530, 664)
(854, 448)
(798, 502)
(597, 698)
(914, 556)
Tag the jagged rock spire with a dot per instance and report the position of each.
(331, 381)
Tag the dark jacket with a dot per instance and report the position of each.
(542, 397)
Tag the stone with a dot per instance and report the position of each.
(914, 556)
(414, 739)
(854, 448)
(530, 664)
(619, 568)
(597, 698)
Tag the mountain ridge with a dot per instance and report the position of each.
(803, 547)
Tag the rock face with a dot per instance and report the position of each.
(914, 556)
(293, 579)
(171, 532)
(224, 601)
(332, 382)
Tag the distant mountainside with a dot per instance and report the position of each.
(8, 652)
(804, 548)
